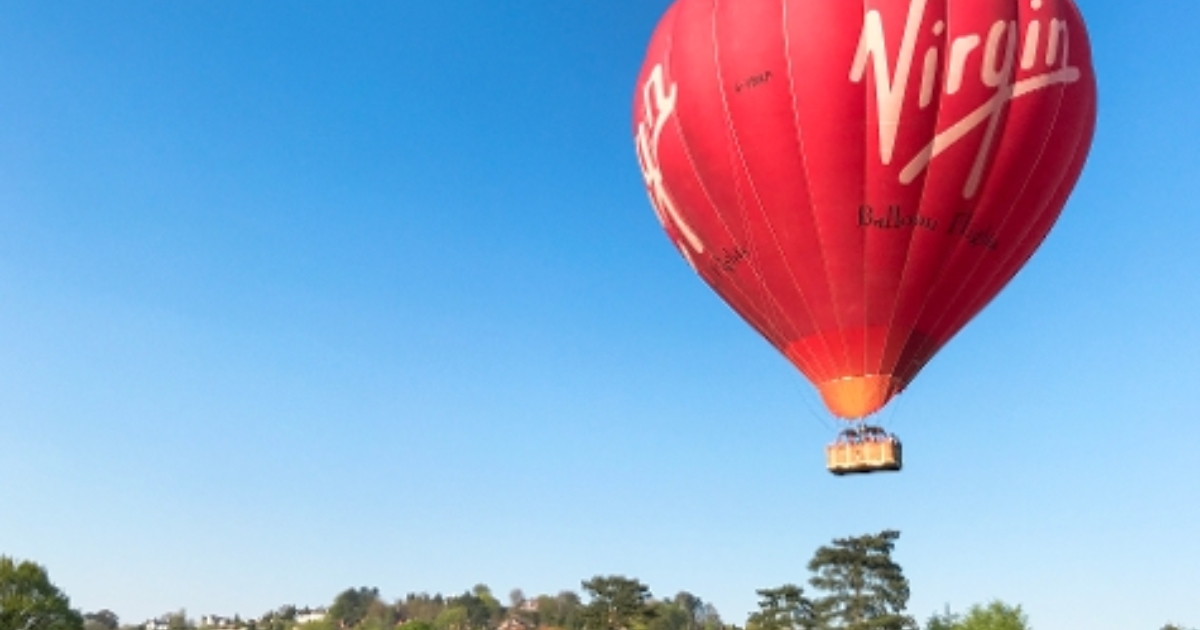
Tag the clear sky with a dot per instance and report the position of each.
(300, 296)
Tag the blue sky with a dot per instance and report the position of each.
(296, 297)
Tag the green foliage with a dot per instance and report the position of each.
(666, 616)
(483, 594)
(995, 616)
(783, 608)
(421, 607)
(522, 609)
(684, 611)
(563, 611)
(453, 618)
(103, 619)
(351, 606)
(856, 584)
(415, 625)
(284, 618)
(945, 621)
(865, 589)
(710, 619)
(699, 614)
(379, 616)
(29, 601)
(617, 603)
(482, 609)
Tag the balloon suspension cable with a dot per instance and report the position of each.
(816, 412)
(895, 415)
(887, 416)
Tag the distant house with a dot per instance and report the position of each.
(217, 622)
(221, 622)
(161, 623)
(308, 615)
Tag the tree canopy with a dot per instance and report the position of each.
(859, 587)
(783, 608)
(865, 589)
(617, 603)
(996, 615)
(351, 606)
(30, 601)
(101, 620)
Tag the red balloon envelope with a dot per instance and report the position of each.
(858, 179)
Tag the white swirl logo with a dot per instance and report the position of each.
(996, 72)
(658, 105)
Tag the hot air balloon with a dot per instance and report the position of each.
(857, 180)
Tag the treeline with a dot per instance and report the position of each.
(612, 602)
(855, 585)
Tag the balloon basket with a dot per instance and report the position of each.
(864, 451)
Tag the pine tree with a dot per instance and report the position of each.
(865, 589)
(783, 608)
(617, 603)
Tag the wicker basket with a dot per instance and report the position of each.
(864, 456)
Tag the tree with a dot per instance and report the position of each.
(684, 611)
(700, 614)
(351, 606)
(522, 609)
(380, 616)
(101, 620)
(282, 618)
(865, 589)
(179, 621)
(617, 603)
(710, 619)
(783, 608)
(415, 625)
(421, 607)
(452, 618)
(29, 601)
(995, 616)
(944, 621)
(482, 610)
(486, 611)
(667, 616)
(563, 611)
